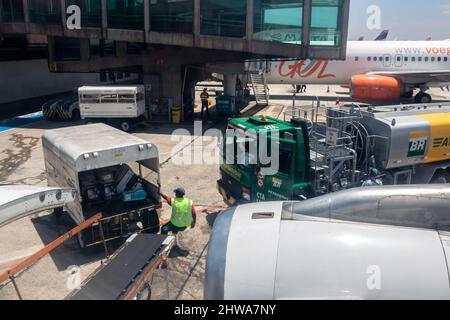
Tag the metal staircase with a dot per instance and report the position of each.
(260, 88)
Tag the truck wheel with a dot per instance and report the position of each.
(152, 226)
(125, 126)
(75, 115)
(423, 97)
(441, 177)
(80, 241)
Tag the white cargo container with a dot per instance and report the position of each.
(113, 172)
(120, 105)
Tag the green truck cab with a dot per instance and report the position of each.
(244, 181)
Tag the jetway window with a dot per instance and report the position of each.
(172, 16)
(278, 21)
(91, 12)
(223, 18)
(12, 11)
(326, 18)
(126, 14)
(45, 11)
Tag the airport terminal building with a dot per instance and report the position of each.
(175, 44)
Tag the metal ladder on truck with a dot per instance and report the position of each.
(260, 88)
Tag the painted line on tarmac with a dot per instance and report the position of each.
(21, 121)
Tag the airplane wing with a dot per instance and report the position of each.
(418, 77)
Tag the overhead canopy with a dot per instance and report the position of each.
(17, 202)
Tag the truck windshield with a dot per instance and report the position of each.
(240, 151)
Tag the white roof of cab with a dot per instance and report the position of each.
(112, 145)
(111, 89)
(17, 201)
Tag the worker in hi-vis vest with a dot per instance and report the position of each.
(204, 96)
(183, 213)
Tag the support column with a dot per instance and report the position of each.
(146, 20)
(63, 15)
(26, 11)
(1, 11)
(172, 82)
(307, 5)
(229, 84)
(26, 14)
(197, 14)
(344, 27)
(250, 9)
(104, 18)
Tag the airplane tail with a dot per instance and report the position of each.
(382, 36)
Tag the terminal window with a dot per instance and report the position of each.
(126, 14)
(325, 22)
(102, 48)
(91, 12)
(48, 11)
(66, 49)
(223, 18)
(12, 11)
(278, 21)
(172, 16)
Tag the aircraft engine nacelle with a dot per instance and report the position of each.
(375, 87)
(364, 243)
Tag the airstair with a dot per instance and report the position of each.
(260, 88)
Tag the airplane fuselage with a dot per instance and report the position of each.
(365, 57)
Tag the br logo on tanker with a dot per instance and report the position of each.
(417, 144)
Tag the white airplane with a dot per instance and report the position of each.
(374, 70)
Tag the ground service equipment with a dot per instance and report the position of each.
(113, 172)
(127, 276)
(119, 106)
(327, 150)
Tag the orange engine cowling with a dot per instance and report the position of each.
(375, 87)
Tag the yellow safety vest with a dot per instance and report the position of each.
(181, 212)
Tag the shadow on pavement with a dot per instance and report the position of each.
(69, 253)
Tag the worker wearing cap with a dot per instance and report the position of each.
(204, 96)
(183, 213)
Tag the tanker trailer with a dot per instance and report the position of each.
(364, 243)
(406, 144)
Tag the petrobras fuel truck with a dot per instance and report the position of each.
(323, 150)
